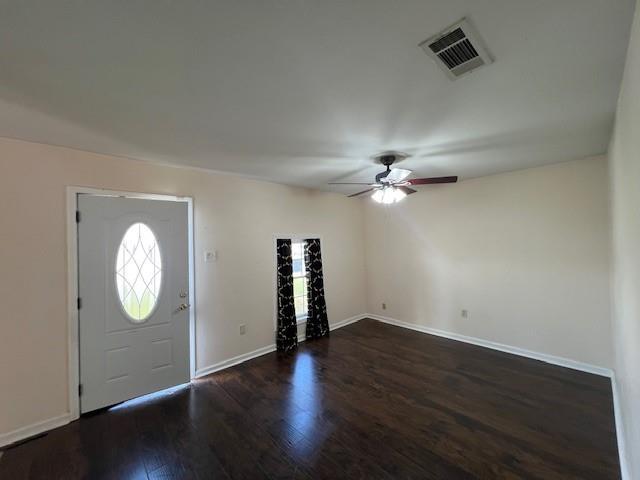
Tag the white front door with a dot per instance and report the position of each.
(133, 275)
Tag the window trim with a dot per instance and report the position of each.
(297, 237)
(301, 318)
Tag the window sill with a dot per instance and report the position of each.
(300, 320)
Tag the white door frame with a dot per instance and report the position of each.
(73, 343)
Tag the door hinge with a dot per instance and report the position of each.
(77, 216)
(79, 303)
(80, 390)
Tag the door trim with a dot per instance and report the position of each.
(73, 341)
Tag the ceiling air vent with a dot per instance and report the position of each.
(457, 50)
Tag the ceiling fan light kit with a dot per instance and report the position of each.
(388, 195)
(392, 185)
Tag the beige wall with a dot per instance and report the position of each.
(237, 217)
(625, 178)
(526, 253)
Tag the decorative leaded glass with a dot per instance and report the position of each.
(138, 272)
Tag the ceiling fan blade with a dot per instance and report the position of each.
(360, 193)
(407, 190)
(432, 180)
(397, 175)
(349, 183)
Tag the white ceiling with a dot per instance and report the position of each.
(306, 91)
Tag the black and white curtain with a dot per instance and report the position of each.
(287, 334)
(317, 323)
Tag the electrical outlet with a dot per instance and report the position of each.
(210, 256)
(464, 313)
(384, 306)
(243, 329)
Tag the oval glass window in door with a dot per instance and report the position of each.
(138, 272)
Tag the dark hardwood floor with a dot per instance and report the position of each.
(373, 401)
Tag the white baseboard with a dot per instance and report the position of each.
(34, 429)
(622, 450)
(230, 362)
(334, 326)
(348, 321)
(216, 367)
(560, 361)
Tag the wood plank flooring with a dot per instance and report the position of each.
(371, 402)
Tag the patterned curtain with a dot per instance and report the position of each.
(317, 323)
(287, 334)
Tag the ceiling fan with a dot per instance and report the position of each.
(392, 185)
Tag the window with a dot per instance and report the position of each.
(138, 272)
(299, 279)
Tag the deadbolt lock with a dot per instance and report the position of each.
(183, 306)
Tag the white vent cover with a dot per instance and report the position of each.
(457, 50)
